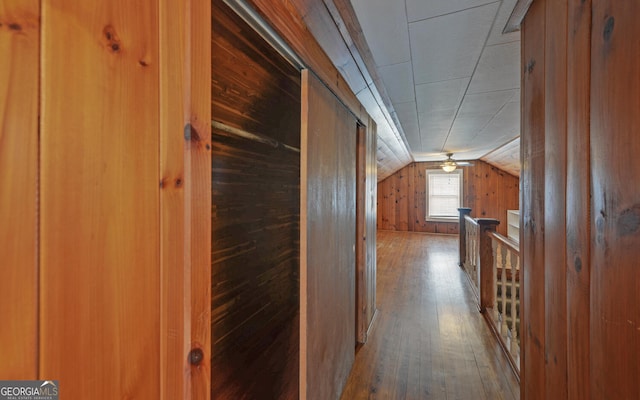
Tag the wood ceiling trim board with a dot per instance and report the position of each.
(517, 15)
(497, 36)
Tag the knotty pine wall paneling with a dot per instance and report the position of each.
(255, 214)
(327, 242)
(578, 199)
(555, 183)
(581, 337)
(100, 245)
(124, 184)
(114, 270)
(185, 197)
(19, 81)
(615, 212)
(532, 204)
(490, 192)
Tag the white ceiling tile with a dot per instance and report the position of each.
(483, 104)
(445, 95)
(398, 80)
(437, 105)
(384, 24)
(493, 118)
(498, 69)
(496, 36)
(408, 116)
(505, 125)
(448, 47)
(421, 9)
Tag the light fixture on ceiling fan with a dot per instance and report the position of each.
(450, 165)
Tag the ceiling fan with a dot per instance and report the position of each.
(450, 165)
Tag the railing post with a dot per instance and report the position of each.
(485, 269)
(463, 237)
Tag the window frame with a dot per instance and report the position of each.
(453, 218)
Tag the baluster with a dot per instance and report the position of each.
(503, 295)
(476, 251)
(515, 312)
(469, 248)
(472, 253)
(475, 256)
(467, 257)
(497, 261)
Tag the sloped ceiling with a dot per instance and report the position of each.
(438, 76)
(453, 77)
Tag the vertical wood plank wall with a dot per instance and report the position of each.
(99, 311)
(327, 242)
(532, 146)
(615, 206)
(490, 192)
(197, 180)
(19, 81)
(100, 283)
(555, 181)
(185, 197)
(255, 215)
(582, 339)
(578, 199)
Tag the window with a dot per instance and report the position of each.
(444, 194)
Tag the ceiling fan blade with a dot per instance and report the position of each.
(464, 163)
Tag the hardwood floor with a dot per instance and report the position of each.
(429, 340)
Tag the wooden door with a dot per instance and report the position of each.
(361, 235)
(327, 242)
(366, 229)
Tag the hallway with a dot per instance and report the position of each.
(428, 341)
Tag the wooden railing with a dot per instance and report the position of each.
(504, 315)
(492, 264)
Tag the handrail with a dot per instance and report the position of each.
(512, 244)
(471, 220)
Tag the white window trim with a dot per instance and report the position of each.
(461, 194)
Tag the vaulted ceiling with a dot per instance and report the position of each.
(437, 76)
(452, 76)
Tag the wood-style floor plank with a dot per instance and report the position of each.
(429, 340)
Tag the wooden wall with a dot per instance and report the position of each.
(580, 241)
(327, 242)
(488, 191)
(255, 216)
(104, 196)
(19, 81)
